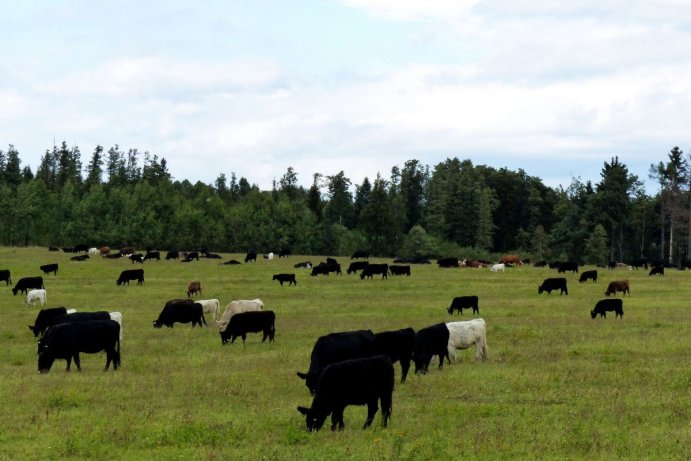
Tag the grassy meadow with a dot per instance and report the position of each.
(557, 385)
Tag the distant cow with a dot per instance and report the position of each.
(497, 268)
(152, 255)
(356, 266)
(558, 283)
(399, 270)
(136, 258)
(27, 283)
(326, 268)
(190, 256)
(81, 248)
(180, 311)
(36, 296)
(290, 278)
(374, 269)
(511, 259)
(336, 347)
(303, 265)
(194, 288)
(657, 270)
(104, 251)
(431, 341)
(231, 262)
(79, 258)
(131, 274)
(212, 255)
(360, 254)
(172, 255)
(640, 262)
(618, 285)
(237, 307)
(464, 302)
(114, 255)
(463, 335)
(284, 253)
(251, 256)
(67, 340)
(364, 381)
(250, 322)
(5, 276)
(608, 305)
(398, 345)
(48, 268)
(588, 275)
(93, 251)
(568, 266)
(448, 262)
(210, 306)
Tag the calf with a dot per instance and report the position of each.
(181, 311)
(67, 340)
(588, 275)
(5, 276)
(550, 284)
(363, 381)
(48, 268)
(194, 288)
(236, 307)
(290, 278)
(356, 266)
(250, 322)
(26, 283)
(373, 269)
(36, 296)
(131, 274)
(498, 267)
(657, 270)
(431, 341)
(607, 305)
(210, 306)
(399, 270)
(464, 302)
(398, 346)
(618, 285)
(463, 335)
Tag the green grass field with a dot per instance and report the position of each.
(557, 385)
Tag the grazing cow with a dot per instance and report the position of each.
(67, 340)
(290, 278)
(550, 284)
(360, 254)
(463, 335)
(398, 345)
(269, 256)
(210, 306)
(26, 283)
(114, 255)
(657, 270)
(303, 265)
(48, 268)
(511, 259)
(79, 258)
(232, 262)
(249, 322)
(373, 269)
(137, 258)
(181, 311)
(618, 285)
(568, 266)
(131, 274)
(356, 266)
(152, 255)
(399, 270)
(36, 296)
(588, 275)
(326, 268)
(5, 276)
(336, 347)
(363, 381)
(194, 288)
(431, 341)
(448, 262)
(498, 268)
(464, 302)
(104, 251)
(251, 256)
(172, 255)
(45, 317)
(608, 305)
(237, 307)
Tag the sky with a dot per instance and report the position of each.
(254, 87)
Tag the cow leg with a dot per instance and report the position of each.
(76, 361)
(69, 363)
(405, 366)
(109, 358)
(371, 411)
(337, 418)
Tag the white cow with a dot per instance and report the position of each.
(463, 335)
(117, 316)
(236, 307)
(498, 268)
(93, 252)
(210, 306)
(36, 295)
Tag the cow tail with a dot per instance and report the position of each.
(203, 319)
(483, 347)
(117, 351)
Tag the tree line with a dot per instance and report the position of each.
(452, 208)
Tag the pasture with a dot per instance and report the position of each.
(557, 383)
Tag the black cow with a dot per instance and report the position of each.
(447, 262)
(80, 248)
(364, 381)
(249, 322)
(290, 278)
(657, 270)
(612, 265)
(398, 345)
(152, 255)
(284, 253)
(373, 269)
(53, 248)
(114, 255)
(588, 275)
(608, 305)
(67, 249)
(172, 255)
(79, 258)
(181, 311)
(131, 274)
(618, 285)
(190, 256)
(137, 258)
(356, 266)
(251, 256)
(336, 347)
(326, 268)
(45, 318)
(464, 302)
(399, 270)
(67, 340)
(232, 262)
(5, 276)
(360, 254)
(431, 341)
(568, 266)
(212, 256)
(550, 284)
(412, 261)
(541, 263)
(303, 265)
(640, 262)
(45, 323)
(48, 268)
(27, 283)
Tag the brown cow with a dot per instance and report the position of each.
(510, 259)
(104, 251)
(472, 263)
(194, 288)
(618, 285)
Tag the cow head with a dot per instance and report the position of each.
(421, 363)
(593, 314)
(34, 330)
(540, 290)
(310, 381)
(45, 358)
(314, 420)
(157, 324)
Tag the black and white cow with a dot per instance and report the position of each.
(608, 305)
(290, 278)
(336, 347)
(588, 275)
(364, 381)
(464, 302)
(303, 265)
(250, 322)
(27, 283)
(557, 283)
(48, 268)
(398, 345)
(373, 269)
(67, 340)
(131, 274)
(180, 311)
(431, 341)
(5, 276)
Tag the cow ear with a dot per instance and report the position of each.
(302, 375)
(303, 410)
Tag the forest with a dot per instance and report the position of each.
(454, 208)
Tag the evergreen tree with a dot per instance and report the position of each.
(339, 208)
(94, 171)
(13, 169)
(595, 251)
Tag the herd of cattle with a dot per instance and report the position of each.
(346, 368)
